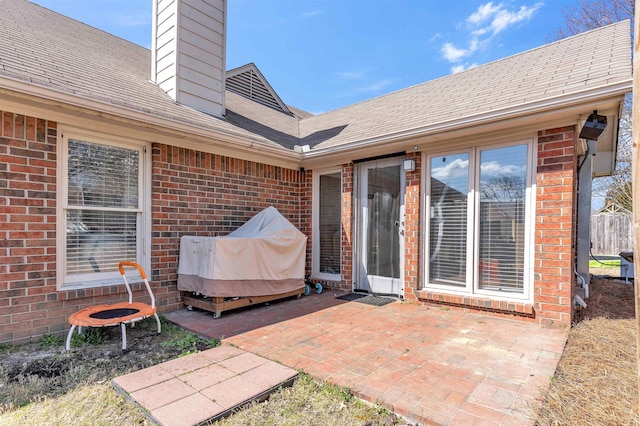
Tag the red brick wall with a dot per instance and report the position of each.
(346, 268)
(27, 227)
(412, 229)
(192, 193)
(197, 193)
(554, 226)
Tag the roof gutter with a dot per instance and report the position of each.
(295, 159)
(143, 120)
(545, 105)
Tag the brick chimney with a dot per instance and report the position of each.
(188, 52)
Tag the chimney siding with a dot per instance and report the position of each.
(188, 52)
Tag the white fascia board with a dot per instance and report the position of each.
(193, 136)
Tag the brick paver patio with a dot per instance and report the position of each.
(431, 365)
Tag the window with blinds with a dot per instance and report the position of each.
(103, 208)
(327, 224)
(448, 188)
(478, 219)
(330, 223)
(502, 190)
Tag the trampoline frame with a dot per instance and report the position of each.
(87, 317)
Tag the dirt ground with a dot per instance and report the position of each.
(46, 369)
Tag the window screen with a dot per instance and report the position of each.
(102, 207)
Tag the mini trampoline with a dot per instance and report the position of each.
(117, 313)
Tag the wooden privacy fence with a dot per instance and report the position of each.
(611, 232)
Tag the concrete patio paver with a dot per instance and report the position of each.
(204, 386)
(431, 365)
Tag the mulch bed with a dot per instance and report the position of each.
(597, 378)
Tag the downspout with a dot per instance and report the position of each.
(584, 283)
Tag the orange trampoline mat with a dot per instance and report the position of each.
(84, 317)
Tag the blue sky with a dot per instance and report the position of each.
(320, 55)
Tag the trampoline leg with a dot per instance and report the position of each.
(158, 321)
(79, 329)
(68, 344)
(124, 335)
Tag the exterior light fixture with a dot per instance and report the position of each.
(594, 126)
(409, 165)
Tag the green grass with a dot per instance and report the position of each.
(50, 340)
(605, 264)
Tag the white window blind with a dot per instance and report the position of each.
(330, 223)
(103, 207)
(478, 220)
(449, 187)
(502, 197)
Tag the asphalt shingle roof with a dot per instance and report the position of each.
(50, 50)
(594, 59)
(53, 51)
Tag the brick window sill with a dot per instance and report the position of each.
(476, 303)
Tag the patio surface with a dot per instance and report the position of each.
(434, 366)
(202, 386)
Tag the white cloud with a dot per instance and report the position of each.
(311, 13)
(436, 36)
(376, 86)
(462, 67)
(488, 20)
(504, 19)
(452, 53)
(455, 169)
(353, 75)
(484, 12)
(493, 168)
(135, 20)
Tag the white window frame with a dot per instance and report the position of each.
(468, 287)
(143, 224)
(315, 232)
(473, 230)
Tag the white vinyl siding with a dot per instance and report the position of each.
(188, 52)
